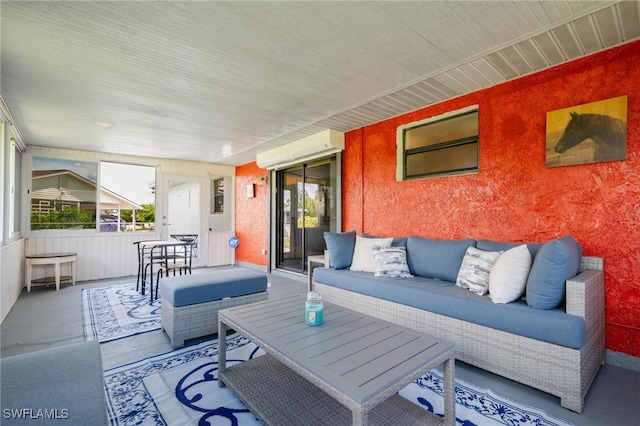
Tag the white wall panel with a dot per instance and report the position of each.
(11, 275)
(219, 251)
(99, 256)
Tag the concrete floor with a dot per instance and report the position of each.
(45, 318)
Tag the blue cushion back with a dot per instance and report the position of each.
(488, 245)
(436, 258)
(340, 246)
(557, 261)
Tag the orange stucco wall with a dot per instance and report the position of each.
(514, 197)
(252, 215)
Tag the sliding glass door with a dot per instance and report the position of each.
(306, 207)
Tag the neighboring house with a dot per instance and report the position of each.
(110, 201)
(60, 189)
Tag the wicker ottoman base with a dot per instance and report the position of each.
(188, 322)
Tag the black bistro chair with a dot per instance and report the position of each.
(176, 259)
(188, 238)
(145, 260)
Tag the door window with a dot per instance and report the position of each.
(307, 207)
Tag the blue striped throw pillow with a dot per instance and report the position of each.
(391, 262)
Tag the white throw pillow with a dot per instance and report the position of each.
(508, 277)
(363, 260)
(475, 269)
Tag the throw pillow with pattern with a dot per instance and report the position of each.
(391, 262)
(475, 269)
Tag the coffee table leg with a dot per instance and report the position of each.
(360, 418)
(449, 392)
(222, 350)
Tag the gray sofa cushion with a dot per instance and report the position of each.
(436, 258)
(557, 261)
(340, 246)
(445, 298)
(64, 384)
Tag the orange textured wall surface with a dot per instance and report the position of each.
(515, 197)
(252, 215)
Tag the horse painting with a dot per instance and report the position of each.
(608, 133)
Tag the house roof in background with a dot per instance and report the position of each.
(108, 198)
(221, 81)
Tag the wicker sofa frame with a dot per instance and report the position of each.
(558, 370)
(188, 322)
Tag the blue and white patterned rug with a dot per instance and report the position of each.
(117, 311)
(179, 388)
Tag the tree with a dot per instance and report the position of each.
(309, 206)
(147, 214)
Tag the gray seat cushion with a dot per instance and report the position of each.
(445, 298)
(183, 290)
(63, 385)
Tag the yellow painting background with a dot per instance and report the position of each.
(557, 121)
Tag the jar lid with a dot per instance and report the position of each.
(313, 295)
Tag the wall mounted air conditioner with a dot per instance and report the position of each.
(318, 145)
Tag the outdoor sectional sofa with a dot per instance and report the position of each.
(557, 349)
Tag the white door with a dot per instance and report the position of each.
(185, 203)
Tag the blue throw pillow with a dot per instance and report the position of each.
(340, 246)
(436, 258)
(557, 261)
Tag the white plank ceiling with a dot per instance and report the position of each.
(220, 81)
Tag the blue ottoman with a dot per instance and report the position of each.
(190, 303)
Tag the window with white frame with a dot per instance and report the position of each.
(63, 193)
(437, 146)
(15, 186)
(71, 194)
(4, 201)
(127, 197)
(11, 181)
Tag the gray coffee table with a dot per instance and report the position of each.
(346, 371)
